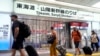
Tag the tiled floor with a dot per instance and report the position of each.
(44, 53)
(9, 54)
(40, 52)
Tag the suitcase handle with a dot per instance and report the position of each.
(86, 42)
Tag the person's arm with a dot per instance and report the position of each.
(97, 37)
(16, 32)
(56, 37)
(72, 35)
(16, 29)
(91, 38)
(55, 34)
(79, 34)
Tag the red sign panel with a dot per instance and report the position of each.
(79, 24)
(83, 24)
(75, 23)
(58, 25)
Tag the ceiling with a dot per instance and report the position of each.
(81, 2)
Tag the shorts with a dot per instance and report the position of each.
(17, 45)
(76, 44)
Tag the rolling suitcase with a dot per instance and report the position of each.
(86, 49)
(31, 51)
(61, 50)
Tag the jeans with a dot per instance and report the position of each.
(93, 45)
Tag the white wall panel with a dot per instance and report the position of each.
(6, 5)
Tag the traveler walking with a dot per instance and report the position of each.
(94, 41)
(76, 37)
(18, 39)
(53, 45)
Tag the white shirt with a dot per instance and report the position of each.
(94, 38)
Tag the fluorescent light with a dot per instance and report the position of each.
(97, 5)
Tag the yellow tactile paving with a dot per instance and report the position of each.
(84, 55)
(94, 54)
(69, 54)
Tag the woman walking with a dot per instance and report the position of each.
(76, 37)
(53, 46)
(94, 41)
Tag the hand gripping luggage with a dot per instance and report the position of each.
(61, 50)
(86, 49)
(31, 51)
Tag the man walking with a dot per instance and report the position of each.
(18, 39)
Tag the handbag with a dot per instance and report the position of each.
(51, 39)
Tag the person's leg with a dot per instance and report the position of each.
(51, 50)
(97, 46)
(79, 51)
(77, 47)
(92, 46)
(22, 52)
(13, 52)
(78, 43)
(14, 48)
(76, 50)
(20, 47)
(54, 48)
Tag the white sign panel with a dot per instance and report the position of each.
(5, 31)
(25, 8)
(53, 11)
(42, 10)
(68, 13)
(49, 11)
(85, 15)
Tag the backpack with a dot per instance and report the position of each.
(25, 30)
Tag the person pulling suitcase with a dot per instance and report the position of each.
(76, 37)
